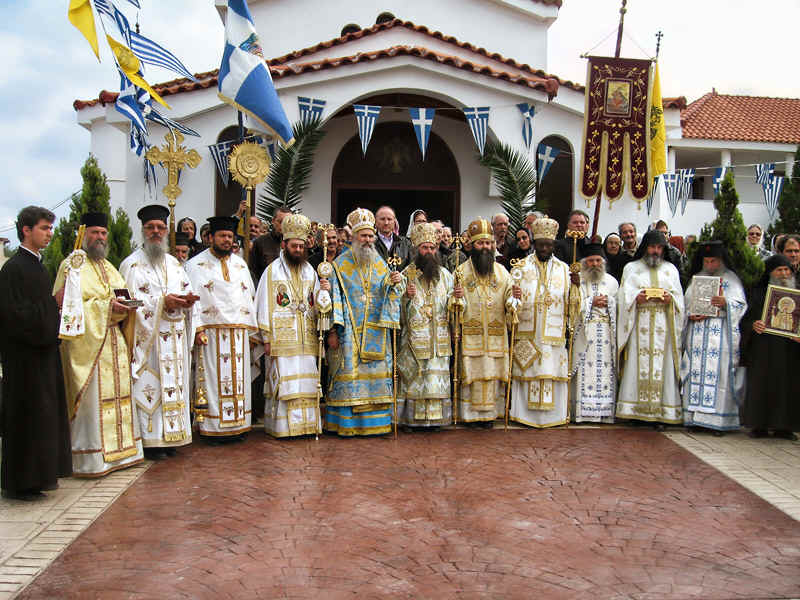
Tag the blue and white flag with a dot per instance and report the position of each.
(135, 3)
(652, 194)
(686, 177)
(310, 109)
(764, 172)
(527, 111)
(422, 121)
(478, 120)
(545, 157)
(366, 116)
(772, 193)
(152, 53)
(106, 8)
(672, 186)
(716, 181)
(128, 105)
(244, 79)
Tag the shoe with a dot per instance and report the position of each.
(406, 429)
(660, 427)
(171, 451)
(758, 433)
(717, 433)
(486, 424)
(785, 434)
(154, 453)
(26, 495)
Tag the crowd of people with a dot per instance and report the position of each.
(357, 329)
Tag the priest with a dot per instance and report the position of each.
(366, 307)
(224, 320)
(423, 359)
(162, 339)
(95, 356)
(484, 290)
(649, 325)
(540, 367)
(33, 419)
(289, 299)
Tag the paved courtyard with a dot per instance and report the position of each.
(570, 513)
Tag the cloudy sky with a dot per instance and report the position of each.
(731, 45)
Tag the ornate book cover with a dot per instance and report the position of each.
(705, 287)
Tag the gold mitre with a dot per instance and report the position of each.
(424, 232)
(296, 227)
(480, 229)
(544, 228)
(360, 218)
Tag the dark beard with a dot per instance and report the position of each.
(653, 261)
(482, 260)
(428, 265)
(295, 261)
(220, 252)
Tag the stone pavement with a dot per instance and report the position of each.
(579, 513)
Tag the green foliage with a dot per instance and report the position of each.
(94, 196)
(729, 228)
(788, 204)
(291, 170)
(515, 177)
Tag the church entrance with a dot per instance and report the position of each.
(393, 173)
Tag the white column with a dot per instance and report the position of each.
(725, 158)
(671, 158)
(789, 164)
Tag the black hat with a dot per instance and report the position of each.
(223, 224)
(153, 212)
(95, 219)
(775, 261)
(651, 238)
(593, 250)
(712, 249)
(181, 239)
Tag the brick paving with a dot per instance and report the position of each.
(578, 513)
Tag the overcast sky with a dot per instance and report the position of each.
(735, 46)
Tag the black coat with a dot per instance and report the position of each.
(35, 428)
(401, 246)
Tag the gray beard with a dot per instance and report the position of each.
(155, 251)
(788, 282)
(716, 273)
(97, 251)
(653, 261)
(365, 256)
(593, 274)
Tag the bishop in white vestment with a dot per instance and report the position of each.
(225, 321)
(162, 340)
(649, 327)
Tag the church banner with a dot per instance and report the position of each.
(527, 111)
(616, 139)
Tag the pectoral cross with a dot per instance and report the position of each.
(173, 157)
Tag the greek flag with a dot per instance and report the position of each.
(545, 157)
(772, 193)
(764, 172)
(652, 194)
(422, 120)
(672, 185)
(527, 111)
(244, 79)
(366, 116)
(686, 177)
(135, 3)
(478, 119)
(716, 181)
(106, 8)
(128, 105)
(310, 109)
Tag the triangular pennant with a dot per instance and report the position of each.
(772, 194)
(310, 109)
(366, 116)
(545, 157)
(686, 180)
(527, 111)
(422, 121)
(652, 194)
(478, 120)
(716, 181)
(764, 172)
(672, 186)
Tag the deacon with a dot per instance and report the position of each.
(162, 337)
(711, 345)
(649, 325)
(594, 350)
(33, 419)
(485, 292)
(366, 306)
(95, 356)
(224, 320)
(540, 369)
(288, 301)
(423, 359)
(772, 361)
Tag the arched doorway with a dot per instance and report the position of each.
(554, 195)
(394, 174)
(227, 197)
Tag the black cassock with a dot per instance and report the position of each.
(33, 416)
(773, 365)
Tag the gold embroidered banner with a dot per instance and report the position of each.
(616, 138)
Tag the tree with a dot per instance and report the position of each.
(93, 197)
(788, 204)
(730, 229)
(515, 178)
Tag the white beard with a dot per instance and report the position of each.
(593, 275)
(365, 256)
(155, 251)
(788, 282)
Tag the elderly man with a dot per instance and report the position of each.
(711, 344)
(266, 248)
(577, 220)
(366, 306)
(161, 363)
(649, 326)
(388, 242)
(182, 247)
(485, 293)
(594, 350)
(423, 359)
(288, 300)
(503, 241)
(94, 353)
(627, 232)
(539, 372)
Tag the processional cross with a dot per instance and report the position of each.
(174, 157)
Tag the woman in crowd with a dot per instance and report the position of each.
(615, 259)
(755, 239)
(188, 226)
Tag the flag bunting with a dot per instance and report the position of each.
(686, 178)
(422, 121)
(764, 172)
(478, 120)
(366, 116)
(772, 194)
(716, 181)
(545, 157)
(672, 185)
(310, 109)
(527, 111)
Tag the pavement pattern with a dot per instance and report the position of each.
(568, 513)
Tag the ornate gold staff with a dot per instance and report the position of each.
(324, 270)
(249, 164)
(394, 261)
(573, 309)
(457, 308)
(516, 276)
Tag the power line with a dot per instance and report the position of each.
(13, 224)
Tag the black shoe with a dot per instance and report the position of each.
(26, 495)
(717, 433)
(486, 424)
(406, 429)
(659, 427)
(785, 434)
(758, 433)
(154, 453)
(171, 451)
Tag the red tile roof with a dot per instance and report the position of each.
(742, 118)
